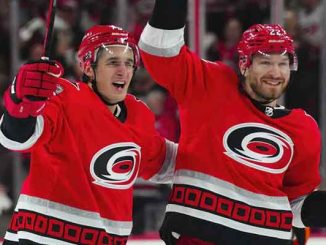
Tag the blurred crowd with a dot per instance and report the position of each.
(225, 19)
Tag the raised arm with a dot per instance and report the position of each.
(169, 14)
(164, 53)
(24, 101)
(170, 62)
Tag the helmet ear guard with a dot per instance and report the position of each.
(265, 39)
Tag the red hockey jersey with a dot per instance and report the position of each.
(237, 166)
(84, 162)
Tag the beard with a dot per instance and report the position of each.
(266, 94)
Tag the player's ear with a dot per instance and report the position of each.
(243, 70)
(89, 71)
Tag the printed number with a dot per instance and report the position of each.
(275, 33)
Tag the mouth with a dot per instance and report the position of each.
(119, 84)
(273, 83)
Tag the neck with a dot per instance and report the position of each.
(252, 95)
(262, 101)
(112, 108)
(267, 103)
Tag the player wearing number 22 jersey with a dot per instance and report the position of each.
(243, 168)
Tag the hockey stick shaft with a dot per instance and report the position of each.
(49, 29)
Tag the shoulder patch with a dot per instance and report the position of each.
(59, 89)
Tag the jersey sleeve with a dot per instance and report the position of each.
(179, 70)
(158, 154)
(53, 119)
(45, 126)
(153, 155)
(158, 159)
(168, 60)
(302, 177)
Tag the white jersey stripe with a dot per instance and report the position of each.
(164, 43)
(228, 222)
(77, 216)
(17, 146)
(296, 209)
(166, 173)
(35, 238)
(229, 190)
(11, 237)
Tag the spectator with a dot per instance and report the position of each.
(5, 180)
(226, 47)
(309, 20)
(142, 83)
(165, 109)
(140, 13)
(304, 91)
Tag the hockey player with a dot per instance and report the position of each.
(88, 143)
(246, 167)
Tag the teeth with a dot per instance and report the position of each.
(121, 83)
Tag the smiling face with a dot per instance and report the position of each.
(113, 72)
(267, 77)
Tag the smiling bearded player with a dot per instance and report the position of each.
(247, 168)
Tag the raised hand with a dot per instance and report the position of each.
(34, 84)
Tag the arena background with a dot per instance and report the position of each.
(213, 29)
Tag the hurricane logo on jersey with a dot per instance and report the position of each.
(116, 166)
(259, 146)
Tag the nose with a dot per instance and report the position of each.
(122, 68)
(275, 71)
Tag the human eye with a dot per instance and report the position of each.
(265, 62)
(113, 62)
(284, 64)
(129, 64)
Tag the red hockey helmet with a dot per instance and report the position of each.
(101, 36)
(266, 39)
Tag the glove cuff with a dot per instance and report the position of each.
(23, 109)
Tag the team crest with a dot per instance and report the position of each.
(116, 166)
(59, 89)
(259, 146)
